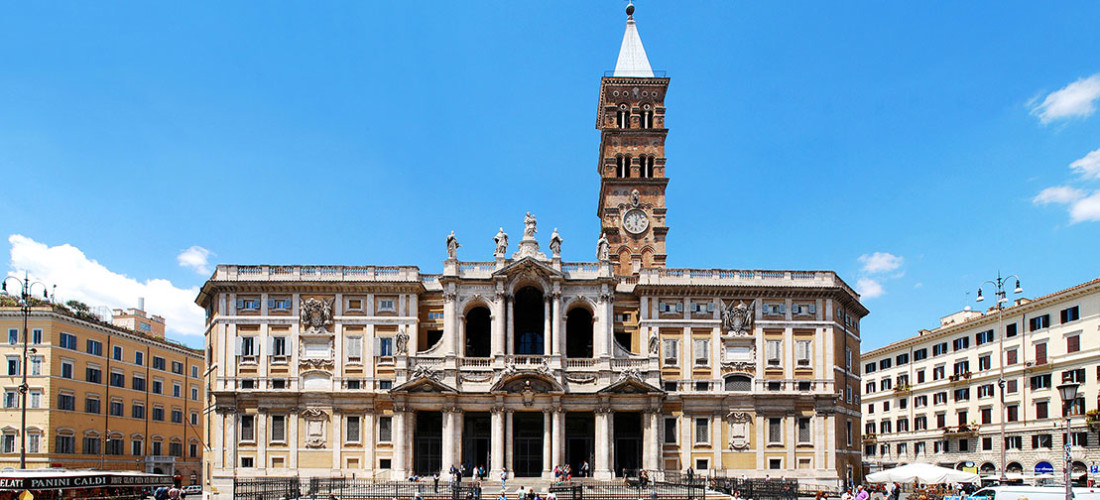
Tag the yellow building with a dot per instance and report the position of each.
(99, 396)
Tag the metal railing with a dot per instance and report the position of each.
(267, 488)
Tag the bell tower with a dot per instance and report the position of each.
(631, 121)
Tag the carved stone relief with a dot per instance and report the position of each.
(315, 314)
(739, 430)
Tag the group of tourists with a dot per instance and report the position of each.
(892, 491)
(565, 474)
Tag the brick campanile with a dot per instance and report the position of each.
(631, 120)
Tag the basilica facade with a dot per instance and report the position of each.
(524, 362)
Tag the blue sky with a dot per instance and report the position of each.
(916, 149)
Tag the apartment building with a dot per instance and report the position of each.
(939, 397)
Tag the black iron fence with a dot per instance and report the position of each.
(267, 488)
(368, 489)
(626, 490)
(778, 489)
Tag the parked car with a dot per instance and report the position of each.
(196, 489)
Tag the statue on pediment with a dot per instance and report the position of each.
(452, 246)
(501, 239)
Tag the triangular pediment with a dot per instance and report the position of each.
(528, 265)
(630, 385)
(422, 385)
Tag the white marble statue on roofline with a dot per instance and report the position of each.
(452, 246)
(603, 248)
(555, 244)
(529, 226)
(529, 246)
(501, 240)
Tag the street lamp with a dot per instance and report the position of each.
(1068, 391)
(25, 286)
(999, 287)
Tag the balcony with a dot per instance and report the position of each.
(960, 430)
(1092, 418)
(903, 389)
(870, 438)
(960, 377)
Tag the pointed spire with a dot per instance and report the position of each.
(632, 59)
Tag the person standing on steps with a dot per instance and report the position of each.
(503, 479)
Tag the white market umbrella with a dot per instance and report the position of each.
(925, 473)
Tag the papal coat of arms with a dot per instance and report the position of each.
(315, 314)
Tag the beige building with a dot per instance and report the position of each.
(936, 397)
(520, 361)
(99, 396)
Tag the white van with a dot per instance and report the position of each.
(1036, 493)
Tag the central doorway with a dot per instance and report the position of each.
(476, 442)
(580, 433)
(628, 442)
(527, 448)
(428, 443)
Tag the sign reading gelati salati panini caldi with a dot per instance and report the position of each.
(67, 481)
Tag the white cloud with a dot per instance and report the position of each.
(1058, 194)
(1089, 166)
(196, 259)
(1086, 209)
(80, 278)
(869, 288)
(1075, 99)
(880, 262)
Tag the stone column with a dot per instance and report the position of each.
(547, 444)
(509, 431)
(292, 424)
(459, 420)
(511, 325)
(399, 416)
(651, 447)
(602, 467)
(602, 335)
(686, 440)
(450, 321)
(555, 312)
(337, 439)
(496, 459)
(547, 331)
(261, 440)
(367, 435)
(716, 442)
(231, 450)
(498, 326)
(448, 439)
(557, 443)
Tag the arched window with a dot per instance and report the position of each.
(647, 166)
(578, 333)
(647, 116)
(528, 321)
(478, 333)
(622, 117)
(738, 383)
(623, 164)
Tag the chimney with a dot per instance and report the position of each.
(141, 303)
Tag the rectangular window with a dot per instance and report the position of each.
(118, 379)
(1010, 386)
(385, 429)
(248, 304)
(36, 399)
(869, 367)
(158, 387)
(920, 354)
(985, 362)
(987, 415)
(139, 358)
(802, 350)
(1014, 442)
(67, 369)
(774, 352)
(283, 304)
(177, 416)
(1010, 330)
(156, 447)
(68, 341)
(1041, 353)
(116, 408)
(95, 347)
(13, 336)
(902, 359)
(1040, 382)
(385, 346)
(177, 390)
(116, 353)
(1011, 357)
(702, 431)
(248, 428)
(194, 418)
(1039, 322)
(36, 366)
(194, 393)
(1073, 343)
(671, 352)
(351, 431)
(137, 411)
(177, 367)
(93, 375)
(938, 372)
(670, 430)
(1042, 409)
(985, 391)
(353, 348)
(960, 343)
(941, 420)
(1077, 439)
(702, 352)
(91, 445)
(1071, 314)
(13, 366)
(920, 423)
(939, 349)
(775, 430)
(138, 383)
(1077, 375)
(65, 444)
(1074, 408)
(195, 371)
(885, 363)
(175, 449)
(33, 442)
(193, 451)
(804, 430)
(158, 414)
(158, 363)
(983, 337)
(91, 405)
(136, 447)
(278, 428)
(1013, 412)
(939, 398)
(11, 399)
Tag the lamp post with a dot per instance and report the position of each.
(1068, 391)
(999, 291)
(25, 286)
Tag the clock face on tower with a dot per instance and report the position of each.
(635, 221)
